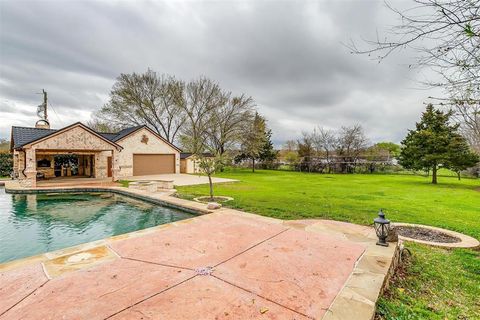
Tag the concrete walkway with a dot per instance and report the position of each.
(224, 265)
(181, 179)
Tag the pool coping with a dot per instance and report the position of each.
(164, 198)
(356, 299)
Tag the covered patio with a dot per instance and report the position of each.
(75, 151)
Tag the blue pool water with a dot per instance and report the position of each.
(38, 223)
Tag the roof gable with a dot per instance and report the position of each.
(22, 136)
(128, 131)
(38, 136)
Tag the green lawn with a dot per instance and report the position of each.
(438, 284)
(356, 198)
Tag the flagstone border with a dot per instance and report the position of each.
(465, 241)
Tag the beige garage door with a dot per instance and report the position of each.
(145, 164)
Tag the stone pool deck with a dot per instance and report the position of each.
(223, 265)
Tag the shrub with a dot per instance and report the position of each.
(6, 163)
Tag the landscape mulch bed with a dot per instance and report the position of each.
(426, 234)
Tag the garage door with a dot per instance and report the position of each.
(145, 164)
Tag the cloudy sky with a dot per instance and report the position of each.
(288, 55)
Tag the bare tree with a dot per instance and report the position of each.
(465, 108)
(469, 118)
(444, 33)
(230, 120)
(102, 126)
(351, 142)
(200, 102)
(146, 99)
(306, 149)
(325, 143)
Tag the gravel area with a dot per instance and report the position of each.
(426, 234)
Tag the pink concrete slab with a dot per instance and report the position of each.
(205, 297)
(98, 292)
(300, 270)
(16, 284)
(200, 242)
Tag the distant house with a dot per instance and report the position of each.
(136, 151)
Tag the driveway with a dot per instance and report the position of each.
(181, 179)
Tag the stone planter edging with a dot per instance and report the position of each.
(466, 241)
(198, 199)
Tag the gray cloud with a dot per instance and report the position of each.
(287, 55)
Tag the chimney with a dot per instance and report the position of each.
(42, 113)
(42, 124)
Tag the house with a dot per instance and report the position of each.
(79, 151)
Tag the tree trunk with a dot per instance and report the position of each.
(253, 164)
(458, 175)
(211, 187)
(434, 174)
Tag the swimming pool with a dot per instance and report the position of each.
(37, 223)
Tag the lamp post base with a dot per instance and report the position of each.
(383, 244)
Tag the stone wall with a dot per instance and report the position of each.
(142, 141)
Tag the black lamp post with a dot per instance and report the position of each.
(382, 227)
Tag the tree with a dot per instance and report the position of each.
(325, 143)
(268, 154)
(393, 149)
(201, 99)
(444, 33)
(231, 117)
(4, 144)
(306, 150)
(466, 110)
(102, 126)
(145, 99)
(254, 139)
(435, 143)
(460, 157)
(6, 163)
(350, 144)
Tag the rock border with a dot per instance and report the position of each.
(465, 241)
(207, 200)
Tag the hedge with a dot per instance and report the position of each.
(6, 163)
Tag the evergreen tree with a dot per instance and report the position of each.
(254, 139)
(434, 144)
(268, 154)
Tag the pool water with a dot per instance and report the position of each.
(38, 223)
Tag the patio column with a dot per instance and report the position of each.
(115, 165)
(31, 167)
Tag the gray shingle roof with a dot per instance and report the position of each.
(125, 132)
(23, 135)
(185, 155)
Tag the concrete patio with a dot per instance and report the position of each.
(223, 265)
(181, 179)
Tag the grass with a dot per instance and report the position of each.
(437, 284)
(451, 204)
(124, 183)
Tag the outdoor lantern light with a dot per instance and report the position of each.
(382, 227)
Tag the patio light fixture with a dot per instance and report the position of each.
(382, 227)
